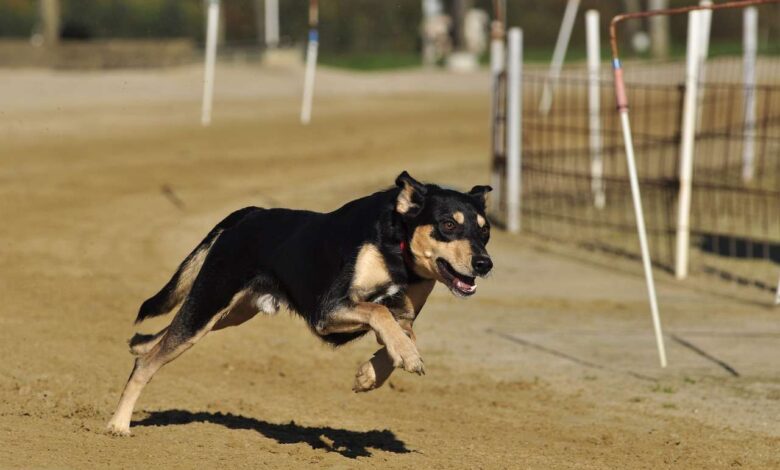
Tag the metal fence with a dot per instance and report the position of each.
(735, 220)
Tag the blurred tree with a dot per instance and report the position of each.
(346, 26)
(17, 17)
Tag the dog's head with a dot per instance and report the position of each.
(448, 231)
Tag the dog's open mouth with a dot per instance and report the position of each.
(458, 283)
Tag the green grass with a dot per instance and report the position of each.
(387, 61)
(369, 62)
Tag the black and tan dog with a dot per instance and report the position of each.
(368, 266)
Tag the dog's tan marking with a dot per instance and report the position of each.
(414, 300)
(370, 273)
(241, 309)
(459, 217)
(404, 201)
(190, 271)
(480, 220)
(375, 372)
(377, 317)
(418, 294)
(146, 346)
(164, 351)
(426, 249)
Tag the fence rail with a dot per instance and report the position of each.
(735, 221)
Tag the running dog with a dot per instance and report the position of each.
(368, 266)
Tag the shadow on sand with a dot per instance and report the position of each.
(350, 444)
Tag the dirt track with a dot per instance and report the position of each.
(551, 365)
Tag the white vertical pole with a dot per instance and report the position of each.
(640, 227)
(704, 51)
(569, 16)
(497, 54)
(687, 145)
(271, 23)
(514, 128)
(592, 28)
(497, 65)
(777, 293)
(750, 38)
(311, 62)
(212, 29)
(622, 104)
(308, 83)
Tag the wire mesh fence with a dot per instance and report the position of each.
(735, 218)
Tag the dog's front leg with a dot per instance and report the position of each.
(400, 348)
(373, 373)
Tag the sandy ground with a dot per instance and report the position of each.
(551, 365)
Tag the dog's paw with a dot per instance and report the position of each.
(414, 364)
(116, 430)
(365, 379)
(405, 355)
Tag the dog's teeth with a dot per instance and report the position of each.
(462, 286)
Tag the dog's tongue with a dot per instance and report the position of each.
(463, 287)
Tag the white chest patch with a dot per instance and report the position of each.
(391, 291)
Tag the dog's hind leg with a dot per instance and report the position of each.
(142, 344)
(177, 338)
(215, 294)
(170, 346)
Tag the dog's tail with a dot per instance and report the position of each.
(175, 290)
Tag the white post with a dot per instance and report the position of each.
(622, 104)
(592, 28)
(621, 98)
(704, 51)
(212, 29)
(777, 294)
(569, 16)
(497, 54)
(514, 128)
(271, 23)
(687, 143)
(640, 227)
(311, 62)
(497, 65)
(308, 83)
(750, 38)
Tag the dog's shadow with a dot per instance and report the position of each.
(350, 444)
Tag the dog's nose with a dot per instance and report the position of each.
(481, 264)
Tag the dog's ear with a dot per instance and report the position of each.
(480, 194)
(411, 198)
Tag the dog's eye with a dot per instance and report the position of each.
(448, 226)
(485, 231)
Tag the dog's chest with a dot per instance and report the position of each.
(371, 281)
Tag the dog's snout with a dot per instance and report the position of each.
(481, 264)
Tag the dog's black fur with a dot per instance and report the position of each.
(322, 265)
(306, 259)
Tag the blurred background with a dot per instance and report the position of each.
(109, 175)
(360, 34)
